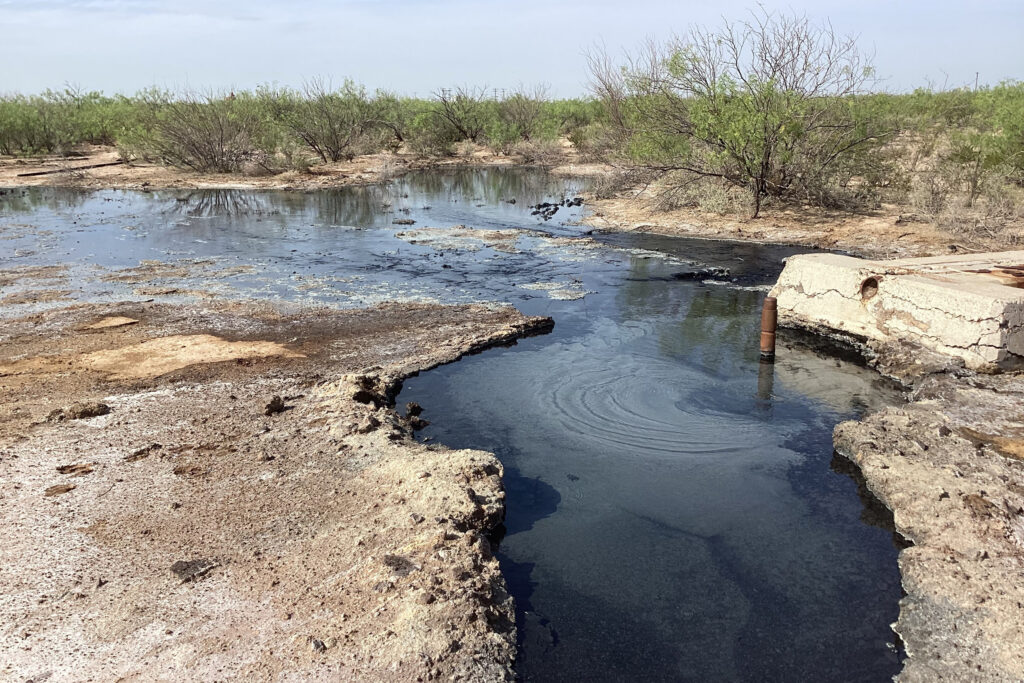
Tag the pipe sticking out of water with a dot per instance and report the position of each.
(769, 321)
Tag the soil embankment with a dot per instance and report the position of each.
(950, 466)
(881, 234)
(225, 491)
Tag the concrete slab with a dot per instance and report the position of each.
(968, 306)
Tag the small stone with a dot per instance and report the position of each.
(426, 598)
(317, 646)
(58, 490)
(77, 470)
(143, 452)
(78, 411)
(416, 518)
(192, 570)
(367, 424)
(275, 406)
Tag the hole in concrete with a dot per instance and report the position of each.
(868, 288)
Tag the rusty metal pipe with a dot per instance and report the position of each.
(769, 321)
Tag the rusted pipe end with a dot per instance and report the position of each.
(769, 321)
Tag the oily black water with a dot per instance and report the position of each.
(673, 512)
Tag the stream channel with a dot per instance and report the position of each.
(675, 511)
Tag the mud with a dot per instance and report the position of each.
(189, 531)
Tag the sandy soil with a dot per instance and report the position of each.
(225, 492)
(140, 175)
(886, 233)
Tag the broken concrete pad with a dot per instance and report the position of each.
(967, 306)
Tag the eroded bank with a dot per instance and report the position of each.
(266, 515)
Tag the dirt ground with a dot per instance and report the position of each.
(226, 492)
(141, 175)
(885, 233)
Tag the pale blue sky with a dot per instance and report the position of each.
(416, 46)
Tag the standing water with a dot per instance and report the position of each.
(673, 512)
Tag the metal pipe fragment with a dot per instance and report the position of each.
(769, 321)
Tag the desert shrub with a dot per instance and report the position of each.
(200, 131)
(430, 137)
(517, 117)
(709, 195)
(620, 180)
(539, 152)
(464, 111)
(333, 123)
(766, 104)
(395, 115)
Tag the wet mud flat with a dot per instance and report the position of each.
(224, 491)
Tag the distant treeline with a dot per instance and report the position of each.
(281, 128)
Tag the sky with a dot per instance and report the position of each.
(417, 46)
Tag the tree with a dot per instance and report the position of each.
(767, 104)
(520, 112)
(329, 121)
(464, 110)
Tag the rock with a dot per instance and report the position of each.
(275, 406)
(417, 423)
(78, 411)
(413, 409)
(403, 221)
(317, 646)
(143, 452)
(193, 570)
(367, 424)
(401, 566)
(58, 490)
(76, 470)
(426, 598)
